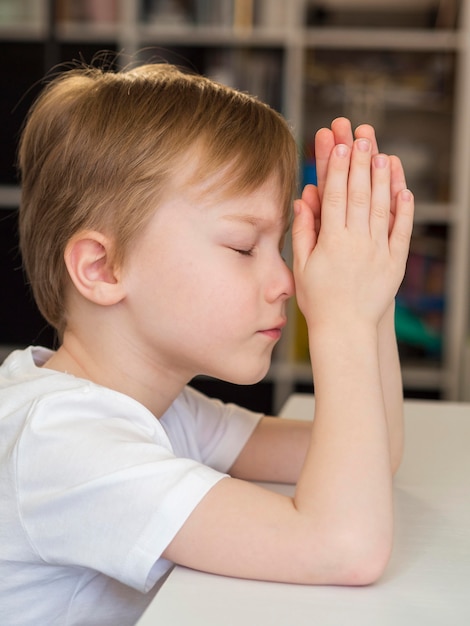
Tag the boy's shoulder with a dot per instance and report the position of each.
(31, 392)
(23, 377)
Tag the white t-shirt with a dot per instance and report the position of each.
(93, 488)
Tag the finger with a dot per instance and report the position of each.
(304, 236)
(335, 196)
(398, 180)
(359, 187)
(380, 198)
(324, 144)
(325, 141)
(310, 195)
(397, 184)
(367, 131)
(342, 131)
(403, 225)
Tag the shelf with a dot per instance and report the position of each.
(37, 31)
(181, 35)
(10, 196)
(212, 35)
(426, 377)
(87, 31)
(190, 34)
(431, 40)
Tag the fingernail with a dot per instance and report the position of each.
(380, 161)
(341, 150)
(363, 145)
(406, 195)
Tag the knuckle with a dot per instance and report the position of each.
(402, 236)
(334, 198)
(359, 198)
(380, 211)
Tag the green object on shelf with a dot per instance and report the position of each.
(411, 330)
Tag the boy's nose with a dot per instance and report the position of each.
(282, 283)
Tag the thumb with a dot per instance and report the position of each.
(304, 237)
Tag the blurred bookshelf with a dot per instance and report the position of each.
(401, 66)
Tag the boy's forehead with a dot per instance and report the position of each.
(222, 194)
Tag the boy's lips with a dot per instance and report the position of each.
(274, 331)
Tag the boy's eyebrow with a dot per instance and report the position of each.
(253, 220)
(243, 217)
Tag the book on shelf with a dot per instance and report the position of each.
(21, 12)
(421, 298)
(428, 14)
(240, 15)
(99, 12)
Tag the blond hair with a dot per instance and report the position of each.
(99, 146)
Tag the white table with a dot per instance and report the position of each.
(427, 582)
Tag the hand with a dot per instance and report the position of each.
(341, 132)
(349, 268)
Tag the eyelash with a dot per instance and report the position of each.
(245, 252)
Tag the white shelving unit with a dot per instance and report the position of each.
(279, 29)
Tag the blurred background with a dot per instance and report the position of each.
(402, 66)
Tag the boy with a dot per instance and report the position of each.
(153, 215)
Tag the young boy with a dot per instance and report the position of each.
(154, 210)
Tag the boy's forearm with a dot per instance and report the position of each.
(347, 472)
(392, 386)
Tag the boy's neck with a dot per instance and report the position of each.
(155, 388)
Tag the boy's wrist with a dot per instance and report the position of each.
(344, 324)
(388, 318)
(354, 336)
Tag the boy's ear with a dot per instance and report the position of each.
(88, 257)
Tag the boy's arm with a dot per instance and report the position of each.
(338, 527)
(275, 452)
(390, 369)
(392, 386)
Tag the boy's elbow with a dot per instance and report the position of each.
(366, 570)
(357, 560)
(365, 560)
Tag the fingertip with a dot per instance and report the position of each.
(364, 130)
(340, 120)
(406, 195)
(367, 131)
(310, 193)
(309, 187)
(323, 134)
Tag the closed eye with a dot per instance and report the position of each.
(244, 252)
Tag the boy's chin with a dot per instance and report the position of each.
(243, 372)
(247, 378)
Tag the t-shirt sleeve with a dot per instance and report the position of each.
(208, 429)
(99, 490)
